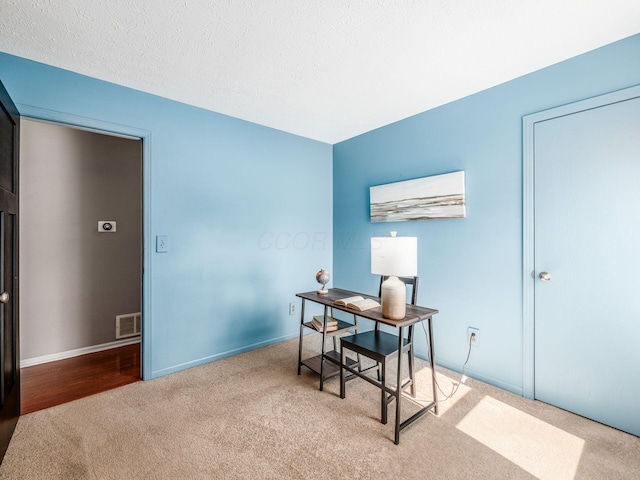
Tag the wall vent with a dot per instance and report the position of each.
(128, 325)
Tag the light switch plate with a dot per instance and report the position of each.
(162, 243)
(107, 226)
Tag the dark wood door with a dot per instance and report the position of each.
(9, 356)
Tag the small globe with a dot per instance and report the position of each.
(323, 277)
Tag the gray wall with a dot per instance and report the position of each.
(74, 280)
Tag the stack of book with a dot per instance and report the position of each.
(318, 323)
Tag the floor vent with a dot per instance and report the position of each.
(128, 325)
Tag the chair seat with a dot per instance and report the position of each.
(378, 346)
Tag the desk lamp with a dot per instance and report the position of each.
(394, 257)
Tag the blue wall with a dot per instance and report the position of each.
(470, 269)
(237, 200)
(247, 229)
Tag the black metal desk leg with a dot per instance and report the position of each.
(335, 338)
(412, 375)
(343, 360)
(324, 341)
(399, 386)
(301, 337)
(432, 356)
(355, 322)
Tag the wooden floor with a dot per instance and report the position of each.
(54, 383)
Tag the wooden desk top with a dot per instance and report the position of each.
(414, 314)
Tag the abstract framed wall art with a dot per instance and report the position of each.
(428, 198)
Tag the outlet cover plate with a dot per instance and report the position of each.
(162, 243)
(471, 330)
(107, 226)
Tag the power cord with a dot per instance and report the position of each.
(463, 378)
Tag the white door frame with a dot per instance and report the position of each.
(528, 219)
(100, 126)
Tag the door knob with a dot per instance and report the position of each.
(4, 297)
(545, 276)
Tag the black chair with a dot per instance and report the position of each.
(382, 347)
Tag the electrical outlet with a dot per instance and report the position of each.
(292, 308)
(475, 340)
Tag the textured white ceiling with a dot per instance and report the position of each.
(323, 69)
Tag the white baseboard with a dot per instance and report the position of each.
(52, 357)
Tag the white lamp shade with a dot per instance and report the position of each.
(394, 256)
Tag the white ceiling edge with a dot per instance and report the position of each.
(326, 70)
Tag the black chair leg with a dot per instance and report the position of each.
(383, 396)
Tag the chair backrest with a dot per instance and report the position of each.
(413, 281)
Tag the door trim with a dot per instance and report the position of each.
(528, 218)
(127, 131)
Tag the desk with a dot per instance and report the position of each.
(413, 316)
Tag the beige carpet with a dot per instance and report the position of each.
(251, 417)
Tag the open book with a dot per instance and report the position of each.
(357, 303)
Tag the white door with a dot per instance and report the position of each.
(587, 238)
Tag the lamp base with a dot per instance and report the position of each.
(394, 298)
(322, 292)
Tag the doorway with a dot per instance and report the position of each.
(82, 246)
(582, 229)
